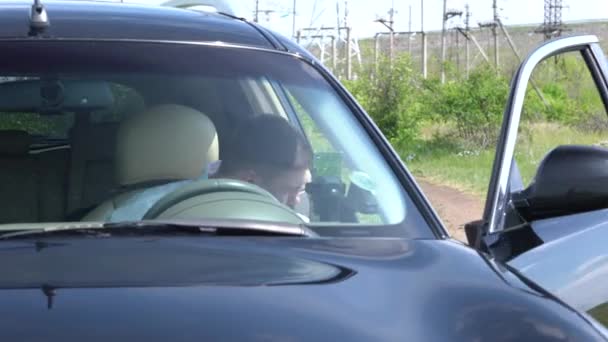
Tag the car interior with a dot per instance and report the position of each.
(72, 149)
(53, 173)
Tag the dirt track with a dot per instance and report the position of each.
(455, 207)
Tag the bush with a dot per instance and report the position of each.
(390, 95)
(475, 105)
(400, 102)
(570, 94)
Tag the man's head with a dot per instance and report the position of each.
(267, 151)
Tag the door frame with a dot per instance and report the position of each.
(498, 199)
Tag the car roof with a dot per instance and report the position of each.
(104, 20)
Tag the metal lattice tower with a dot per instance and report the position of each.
(552, 23)
(343, 38)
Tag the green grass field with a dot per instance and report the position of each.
(469, 170)
(600, 313)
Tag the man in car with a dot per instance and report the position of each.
(267, 151)
(264, 150)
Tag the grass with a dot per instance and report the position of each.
(445, 162)
(600, 313)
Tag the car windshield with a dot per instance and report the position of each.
(117, 131)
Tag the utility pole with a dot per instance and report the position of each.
(338, 19)
(424, 65)
(409, 29)
(495, 32)
(257, 11)
(392, 34)
(467, 28)
(334, 54)
(349, 62)
(293, 27)
(514, 48)
(456, 34)
(446, 16)
(471, 37)
(444, 21)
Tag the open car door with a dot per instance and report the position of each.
(555, 229)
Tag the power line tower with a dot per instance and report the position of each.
(552, 24)
(343, 38)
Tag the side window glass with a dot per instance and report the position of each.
(262, 97)
(42, 127)
(562, 107)
(330, 163)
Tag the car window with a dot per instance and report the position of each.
(42, 127)
(55, 126)
(329, 161)
(146, 125)
(562, 107)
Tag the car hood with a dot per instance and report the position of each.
(265, 289)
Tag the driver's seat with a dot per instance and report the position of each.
(155, 152)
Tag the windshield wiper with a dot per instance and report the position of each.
(210, 227)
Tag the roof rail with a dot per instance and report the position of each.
(202, 5)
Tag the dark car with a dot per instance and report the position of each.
(116, 224)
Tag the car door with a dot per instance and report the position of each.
(554, 229)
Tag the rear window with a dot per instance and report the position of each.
(43, 127)
(56, 125)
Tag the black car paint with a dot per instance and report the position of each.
(178, 288)
(102, 20)
(154, 288)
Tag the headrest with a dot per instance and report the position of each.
(14, 143)
(165, 142)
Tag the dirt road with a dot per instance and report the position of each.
(453, 206)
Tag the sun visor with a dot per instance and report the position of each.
(55, 96)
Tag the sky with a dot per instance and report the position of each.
(362, 13)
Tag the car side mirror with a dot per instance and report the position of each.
(569, 180)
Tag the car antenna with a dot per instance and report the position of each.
(39, 19)
(50, 293)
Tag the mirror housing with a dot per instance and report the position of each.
(570, 179)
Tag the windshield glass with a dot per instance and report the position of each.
(112, 132)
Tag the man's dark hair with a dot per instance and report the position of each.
(265, 141)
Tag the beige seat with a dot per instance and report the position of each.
(164, 144)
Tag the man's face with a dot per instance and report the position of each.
(287, 186)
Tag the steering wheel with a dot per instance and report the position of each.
(224, 199)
